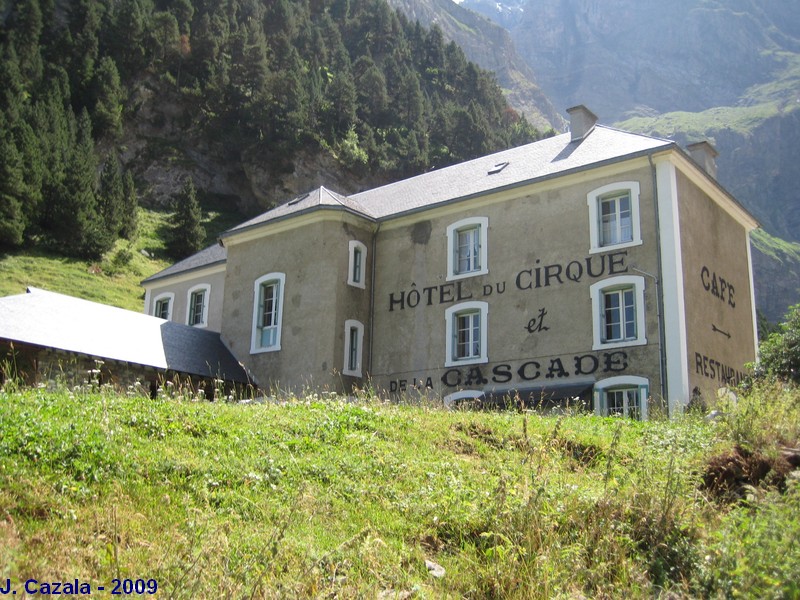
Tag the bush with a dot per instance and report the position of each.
(779, 354)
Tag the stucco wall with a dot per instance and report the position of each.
(317, 300)
(180, 286)
(539, 320)
(719, 311)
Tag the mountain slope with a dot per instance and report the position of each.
(491, 47)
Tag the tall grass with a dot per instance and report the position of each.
(322, 496)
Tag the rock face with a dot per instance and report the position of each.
(626, 58)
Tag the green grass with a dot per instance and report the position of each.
(322, 497)
(783, 251)
(115, 279)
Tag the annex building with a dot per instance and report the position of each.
(597, 265)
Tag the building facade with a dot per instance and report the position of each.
(598, 266)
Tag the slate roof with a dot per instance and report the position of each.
(551, 157)
(213, 255)
(52, 320)
(319, 198)
(537, 161)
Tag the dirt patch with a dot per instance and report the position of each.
(727, 476)
(483, 433)
(585, 454)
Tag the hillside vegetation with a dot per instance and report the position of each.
(109, 103)
(320, 496)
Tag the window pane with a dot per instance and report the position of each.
(616, 222)
(357, 265)
(630, 315)
(615, 402)
(467, 335)
(196, 308)
(611, 316)
(268, 318)
(352, 361)
(634, 411)
(468, 250)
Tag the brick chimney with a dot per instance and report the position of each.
(581, 122)
(705, 155)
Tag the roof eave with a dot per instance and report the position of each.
(231, 233)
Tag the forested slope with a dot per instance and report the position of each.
(108, 103)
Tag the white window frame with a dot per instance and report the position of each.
(206, 289)
(596, 197)
(453, 230)
(597, 292)
(450, 315)
(351, 325)
(170, 298)
(255, 335)
(354, 248)
(622, 383)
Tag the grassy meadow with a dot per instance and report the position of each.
(326, 497)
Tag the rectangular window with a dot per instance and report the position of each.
(468, 335)
(467, 252)
(352, 359)
(162, 308)
(353, 347)
(616, 220)
(357, 259)
(619, 315)
(468, 257)
(623, 402)
(268, 314)
(196, 304)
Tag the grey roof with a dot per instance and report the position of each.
(71, 324)
(319, 198)
(213, 255)
(547, 158)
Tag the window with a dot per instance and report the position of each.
(162, 307)
(267, 313)
(353, 347)
(357, 264)
(197, 314)
(619, 315)
(467, 248)
(622, 396)
(614, 216)
(618, 312)
(466, 334)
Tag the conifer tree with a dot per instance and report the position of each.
(12, 219)
(186, 234)
(130, 205)
(108, 96)
(111, 195)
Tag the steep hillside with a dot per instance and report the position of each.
(491, 47)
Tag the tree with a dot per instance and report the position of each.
(186, 234)
(130, 204)
(111, 195)
(779, 354)
(12, 220)
(108, 95)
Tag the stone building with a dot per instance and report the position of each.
(597, 266)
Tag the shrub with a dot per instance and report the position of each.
(779, 354)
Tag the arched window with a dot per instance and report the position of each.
(267, 313)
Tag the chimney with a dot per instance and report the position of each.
(705, 155)
(581, 122)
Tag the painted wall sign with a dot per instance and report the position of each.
(536, 324)
(718, 286)
(537, 277)
(522, 371)
(714, 369)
